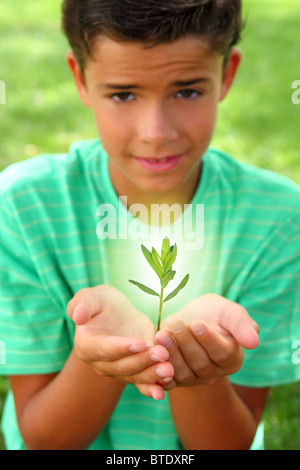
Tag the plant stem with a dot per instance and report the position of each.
(160, 309)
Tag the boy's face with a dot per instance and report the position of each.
(155, 111)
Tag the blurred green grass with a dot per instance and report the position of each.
(258, 122)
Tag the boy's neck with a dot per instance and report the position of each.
(134, 195)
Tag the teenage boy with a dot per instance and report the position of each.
(153, 73)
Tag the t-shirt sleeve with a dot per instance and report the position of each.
(271, 296)
(33, 331)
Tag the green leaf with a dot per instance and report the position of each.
(148, 257)
(155, 258)
(171, 259)
(166, 245)
(156, 254)
(165, 248)
(144, 288)
(166, 261)
(178, 288)
(168, 277)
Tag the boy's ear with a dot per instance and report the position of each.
(230, 71)
(78, 78)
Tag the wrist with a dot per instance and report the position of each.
(212, 417)
(200, 390)
(86, 371)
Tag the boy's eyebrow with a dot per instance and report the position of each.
(180, 83)
(115, 86)
(183, 83)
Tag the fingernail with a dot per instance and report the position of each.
(160, 373)
(175, 326)
(157, 396)
(155, 358)
(166, 342)
(197, 329)
(167, 380)
(80, 315)
(77, 308)
(135, 349)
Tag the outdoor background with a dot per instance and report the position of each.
(258, 122)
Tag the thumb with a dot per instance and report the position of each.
(78, 312)
(239, 323)
(81, 314)
(246, 333)
(229, 316)
(84, 305)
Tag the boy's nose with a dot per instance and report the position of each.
(156, 127)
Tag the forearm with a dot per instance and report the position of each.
(71, 410)
(212, 417)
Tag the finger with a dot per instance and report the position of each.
(168, 384)
(142, 368)
(158, 373)
(84, 305)
(95, 346)
(194, 355)
(182, 370)
(152, 391)
(228, 315)
(88, 302)
(148, 366)
(246, 333)
(81, 314)
(223, 351)
(238, 322)
(157, 390)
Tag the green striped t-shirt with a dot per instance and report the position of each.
(63, 228)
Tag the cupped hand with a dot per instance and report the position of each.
(206, 339)
(117, 340)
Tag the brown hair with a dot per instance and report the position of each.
(219, 22)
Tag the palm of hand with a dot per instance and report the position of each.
(204, 308)
(117, 316)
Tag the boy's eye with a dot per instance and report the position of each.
(122, 96)
(188, 94)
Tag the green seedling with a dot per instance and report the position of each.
(162, 265)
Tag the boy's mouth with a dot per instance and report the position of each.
(159, 164)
